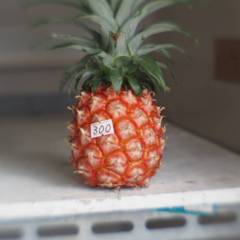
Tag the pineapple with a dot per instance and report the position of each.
(131, 155)
(116, 82)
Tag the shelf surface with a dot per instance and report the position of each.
(37, 180)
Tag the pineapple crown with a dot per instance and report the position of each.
(117, 53)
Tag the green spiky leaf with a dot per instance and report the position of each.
(149, 48)
(67, 41)
(135, 85)
(102, 9)
(157, 28)
(96, 82)
(87, 74)
(152, 69)
(137, 5)
(124, 11)
(116, 78)
(130, 26)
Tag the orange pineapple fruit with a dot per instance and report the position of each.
(131, 155)
(117, 79)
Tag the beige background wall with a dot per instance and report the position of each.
(22, 69)
(197, 101)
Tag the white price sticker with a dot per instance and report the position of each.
(102, 128)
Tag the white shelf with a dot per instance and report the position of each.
(37, 181)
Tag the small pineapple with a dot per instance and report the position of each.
(129, 156)
(115, 83)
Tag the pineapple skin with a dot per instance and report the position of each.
(130, 156)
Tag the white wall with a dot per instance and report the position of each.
(22, 68)
(198, 101)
